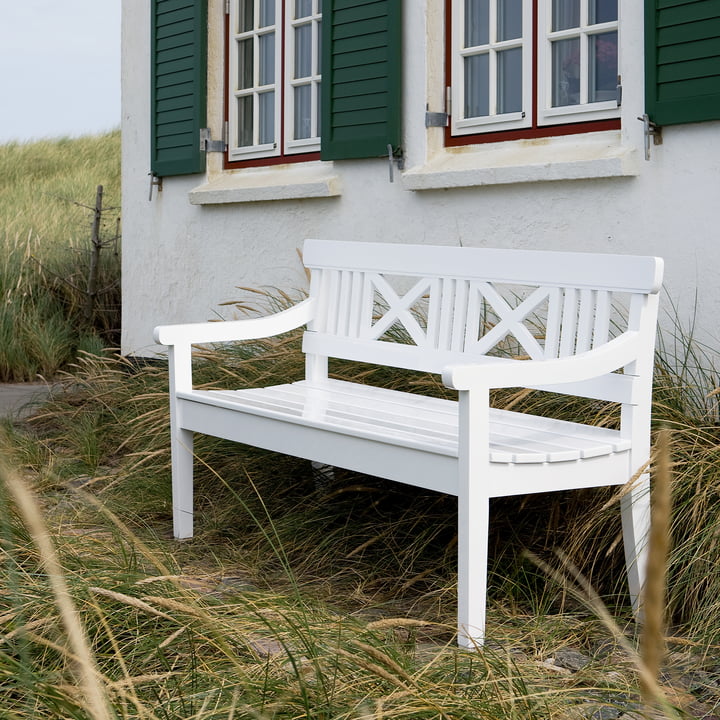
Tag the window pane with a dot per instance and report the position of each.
(245, 15)
(603, 68)
(245, 64)
(477, 86)
(267, 117)
(509, 81)
(601, 11)
(566, 72)
(303, 119)
(303, 8)
(267, 59)
(509, 19)
(477, 22)
(565, 14)
(245, 121)
(267, 13)
(303, 51)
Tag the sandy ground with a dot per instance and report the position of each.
(17, 399)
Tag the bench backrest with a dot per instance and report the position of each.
(422, 307)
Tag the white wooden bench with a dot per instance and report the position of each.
(467, 314)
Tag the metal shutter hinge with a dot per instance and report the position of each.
(436, 119)
(207, 144)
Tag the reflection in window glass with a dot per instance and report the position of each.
(267, 117)
(477, 22)
(509, 19)
(267, 58)
(566, 72)
(603, 67)
(245, 64)
(509, 81)
(303, 120)
(267, 13)
(246, 19)
(477, 90)
(601, 11)
(303, 51)
(565, 14)
(245, 121)
(303, 8)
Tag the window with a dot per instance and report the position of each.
(522, 65)
(273, 78)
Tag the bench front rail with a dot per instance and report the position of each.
(583, 325)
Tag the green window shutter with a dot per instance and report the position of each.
(682, 60)
(361, 89)
(178, 89)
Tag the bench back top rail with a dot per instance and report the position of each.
(424, 307)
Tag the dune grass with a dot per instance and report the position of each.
(297, 600)
(47, 191)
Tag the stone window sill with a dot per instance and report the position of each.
(279, 182)
(573, 157)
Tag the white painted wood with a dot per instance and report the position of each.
(234, 330)
(181, 443)
(473, 515)
(554, 324)
(621, 273)
(569, 323)
(441, 297)
(585, 320)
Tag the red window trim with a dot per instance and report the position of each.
(260, 161)
(535, 130)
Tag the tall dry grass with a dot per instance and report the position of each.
(296, 601)
(47, 190)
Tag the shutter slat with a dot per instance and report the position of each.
(178, 89)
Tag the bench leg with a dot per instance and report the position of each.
(182, 483)
(635, 509)
(473, 524)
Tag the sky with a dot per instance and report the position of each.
(59, 68)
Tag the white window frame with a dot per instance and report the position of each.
(544, 113)
(494, 121)
(584, 111)
(283, 85)
(312, 143)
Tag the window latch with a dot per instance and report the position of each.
(207, 144)
(651, 130)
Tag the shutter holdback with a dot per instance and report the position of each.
(155, 181)
(651, 130)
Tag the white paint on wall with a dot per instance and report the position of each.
(182, 260)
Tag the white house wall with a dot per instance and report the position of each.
(181, 261)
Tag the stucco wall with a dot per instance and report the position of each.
(180, 260)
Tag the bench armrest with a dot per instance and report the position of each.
(234, 330)
(615, 354)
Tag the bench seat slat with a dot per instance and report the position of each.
(415, 421)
